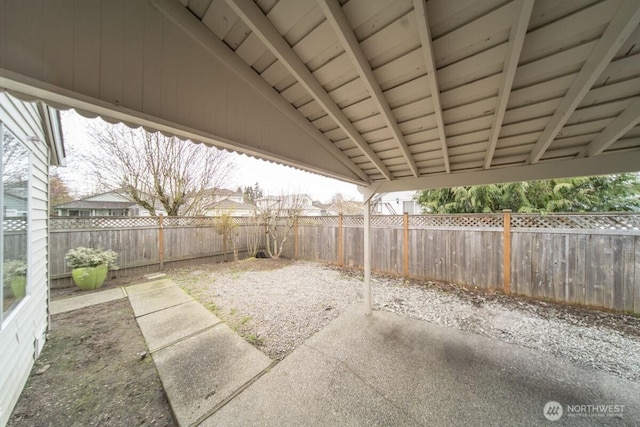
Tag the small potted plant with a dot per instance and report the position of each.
(14, 273)
(89, 266)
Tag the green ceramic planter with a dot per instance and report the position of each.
(19, 286)
(88, 278)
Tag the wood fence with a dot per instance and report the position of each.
(145, 244)
(589, 259)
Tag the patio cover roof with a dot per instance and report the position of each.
(391, 95)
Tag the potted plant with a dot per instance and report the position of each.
(14, 273)
(89, 266)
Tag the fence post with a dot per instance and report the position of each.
(161, 240)
(340, 238)
(506, 245)
(405, 269)
(295, 237)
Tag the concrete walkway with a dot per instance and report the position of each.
(380, 370)
(202, 363)
(74, 303)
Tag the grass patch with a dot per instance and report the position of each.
(211, 306)
(245, 319)
(253, 339)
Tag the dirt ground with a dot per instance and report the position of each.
(91, 373)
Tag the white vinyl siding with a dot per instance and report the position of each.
(23, 332)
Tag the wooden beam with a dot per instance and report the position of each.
(514, 48)
(420, 7)
(334, 14)
(628, 119)
(405, 245)
(260, 25)
(606, 163)
(506, 251)
(198, 32)
(622, 25)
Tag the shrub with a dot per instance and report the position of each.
(89, 257)
(13, 268)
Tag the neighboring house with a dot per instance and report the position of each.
(346, 207)
(220, 201)
(302, 203)
(112, 203)
(327, 209)
(230, 207)
(396, 203)
(219, 194)
(31, 142)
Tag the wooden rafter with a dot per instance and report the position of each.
(624, 22)
(622, 124)
(514, 48)
(427, 50)
(253, 17)
(335, 16)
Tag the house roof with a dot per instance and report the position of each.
(92, 204)
(391, 95)
(222, 192)
(227, 204)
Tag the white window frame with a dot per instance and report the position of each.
(7, 319)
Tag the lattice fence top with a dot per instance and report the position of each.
(187, 221)
(70, 223)
(353, 221)
(458, 221)
(615, 221)
(619, 221)
(310, 221)
(14, 224)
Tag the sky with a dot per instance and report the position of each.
(273, 178)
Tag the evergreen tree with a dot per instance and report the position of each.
(611, 193)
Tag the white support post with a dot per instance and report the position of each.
(367, 257)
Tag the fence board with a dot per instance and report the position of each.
(575, 273)
(521, 263)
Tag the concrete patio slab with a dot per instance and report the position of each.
(167, 326)
(149, 286)
(148, 302)
(203, 371)
(391, 370)
(74, 303)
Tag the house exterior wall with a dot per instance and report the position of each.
(23, 331)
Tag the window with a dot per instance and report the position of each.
(14, 201)
(409, 207)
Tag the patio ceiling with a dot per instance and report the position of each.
(391, 95)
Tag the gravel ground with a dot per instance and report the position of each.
(277, 305)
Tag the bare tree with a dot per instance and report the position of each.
(154, 169)
(253, 230)
(346, 206)
(279, 214)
